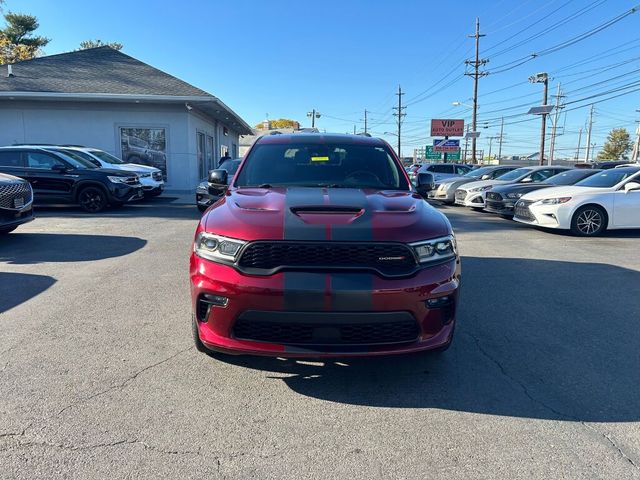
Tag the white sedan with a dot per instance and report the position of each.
(608, 200)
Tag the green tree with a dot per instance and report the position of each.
(617, 146)
(99, 43)
(280, 123)
(17, 41)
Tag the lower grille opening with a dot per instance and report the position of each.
(205, 302)
(330, 334)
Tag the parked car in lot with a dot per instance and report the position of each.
(442, 171)
(502, 198)
(445, 191)
(473, 194)
(605, 201)
(59, 178)
(211, 190)
(150, 177)
(16, 203)
(321, 247)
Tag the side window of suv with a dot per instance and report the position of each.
(441, 168)
(462, 169)
(10, 159)
(41, 160)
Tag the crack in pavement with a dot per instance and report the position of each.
(74, 448)
(563, 415)
(122, 384)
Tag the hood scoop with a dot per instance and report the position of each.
(326, 209)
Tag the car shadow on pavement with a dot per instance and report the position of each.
(159, 207)
(565, 346)
(29, 248)
(29, 286)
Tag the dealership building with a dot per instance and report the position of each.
(105, 99)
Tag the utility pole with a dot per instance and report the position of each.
(365, 121)
(313, 115)
(636, 147)
(466, 142)
(552, 145)
(400, 114)
(476, 74)
(589, 134)
(490, 142)
(501, 135)
(354, 129)
(579, 141)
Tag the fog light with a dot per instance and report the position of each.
(206, 301)
(217, 300)
(438, 302)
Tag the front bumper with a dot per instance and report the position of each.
(470, 199)
(151, 185)
(501, 207)
(294, 300)
(123, 193)
(547, 216)
(11, 218)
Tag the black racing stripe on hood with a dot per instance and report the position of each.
(304, 291)
(352, 292)
(294, 227)
(360, 229)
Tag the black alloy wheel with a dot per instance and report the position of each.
(92, 199)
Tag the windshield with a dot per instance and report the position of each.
(327, 164)
(107, 157)
(568, 178)
(478, 172)
(76, 160)
(514, 174)
(608, 178)
(231, 166)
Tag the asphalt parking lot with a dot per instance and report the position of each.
(99, 377)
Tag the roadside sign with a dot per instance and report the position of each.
(454, 155)
(429, 154)
(447, 127)
(472, 135)
(446, 145)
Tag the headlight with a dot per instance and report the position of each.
(217, 248)
(514, 195)
(481, 189)
(435, 250)
(553, 201)
(117, 179)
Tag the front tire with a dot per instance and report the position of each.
(92, 199)
(589, 221)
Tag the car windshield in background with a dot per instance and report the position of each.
(76, 160)
(515, 174)
(569, 177)
(231, 166)
(608, 178)
(107, 157)
(478, 172)
(329, 165)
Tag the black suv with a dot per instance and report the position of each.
(58, 178)
(16, 203)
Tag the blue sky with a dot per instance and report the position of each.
(283, 58)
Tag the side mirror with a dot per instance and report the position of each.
(425, 182)
(218, 177)
(526, 180)
(486, 176)
(629, 186)
(59, 168)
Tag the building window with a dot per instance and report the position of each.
(145, 146)
(202, 167)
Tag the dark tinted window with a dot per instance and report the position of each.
(10, 159)
(540, 175)
(231, 166)
(462, 169)
(81, 157)
(499, 172)
(41, 160)
(608, 178)
(569, 177)
(515, 174)
(335, 164)
(440, 168)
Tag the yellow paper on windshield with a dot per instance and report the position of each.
(319, 159)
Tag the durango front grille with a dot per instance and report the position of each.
(15, 195)
(330, 334)
(391, 259)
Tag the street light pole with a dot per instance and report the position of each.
(544, 79)
(313, 115)
(501, 134)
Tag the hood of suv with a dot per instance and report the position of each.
(10, 179)
(341, 214)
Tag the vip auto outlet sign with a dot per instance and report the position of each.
(447, 128)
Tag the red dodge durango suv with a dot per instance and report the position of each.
(322, 247)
